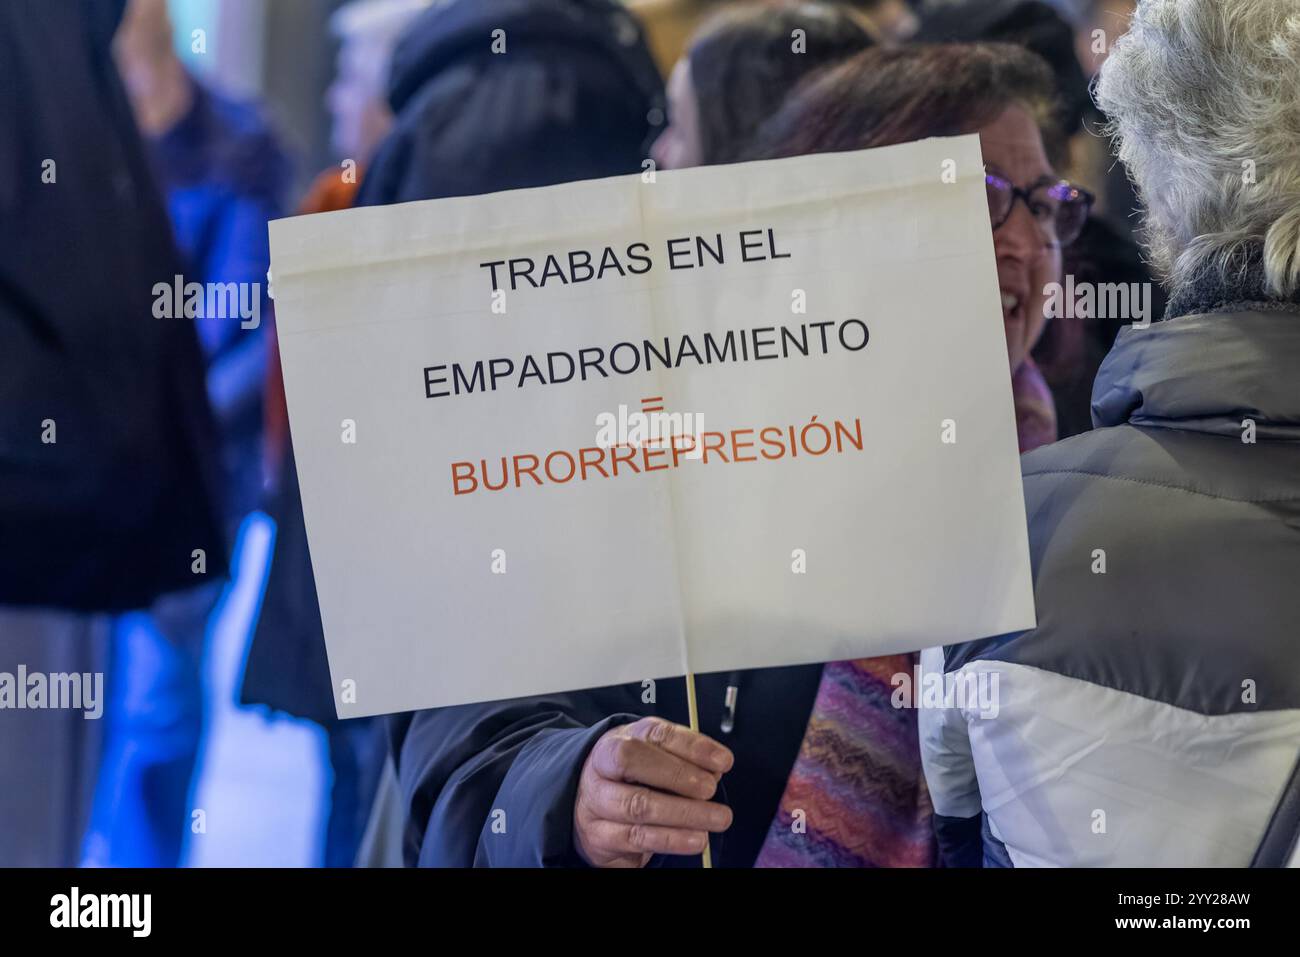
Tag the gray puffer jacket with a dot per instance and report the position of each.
(1153, 717)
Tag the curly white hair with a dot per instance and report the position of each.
(1204, 100)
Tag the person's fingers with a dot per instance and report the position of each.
(589, 839)
(631, 804)
(617, 839)
(634, 761)
(676, 739)
(645, 790)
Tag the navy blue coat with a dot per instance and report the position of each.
(459, 765)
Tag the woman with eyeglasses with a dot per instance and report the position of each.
(1006, 95)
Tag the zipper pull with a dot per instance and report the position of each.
(729, 703)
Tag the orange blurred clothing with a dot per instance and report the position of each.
(328, 192)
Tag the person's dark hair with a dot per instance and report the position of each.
(744, 64)
(1037, 26)
(885, 96)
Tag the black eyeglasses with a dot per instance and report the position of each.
(1059, 208)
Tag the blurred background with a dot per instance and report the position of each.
(281, 54)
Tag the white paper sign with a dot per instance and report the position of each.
(848, 483)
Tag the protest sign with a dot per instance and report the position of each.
(730, 417)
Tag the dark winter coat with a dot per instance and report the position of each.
(108, 472)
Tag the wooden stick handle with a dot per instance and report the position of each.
(693, 713)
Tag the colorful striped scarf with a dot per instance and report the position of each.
(856, 796)
(1035, 408)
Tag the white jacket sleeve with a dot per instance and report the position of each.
(945, 749)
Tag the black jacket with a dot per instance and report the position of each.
(575, 96)
(1033, 24)
(108, 514)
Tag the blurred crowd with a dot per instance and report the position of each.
(120, 537)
